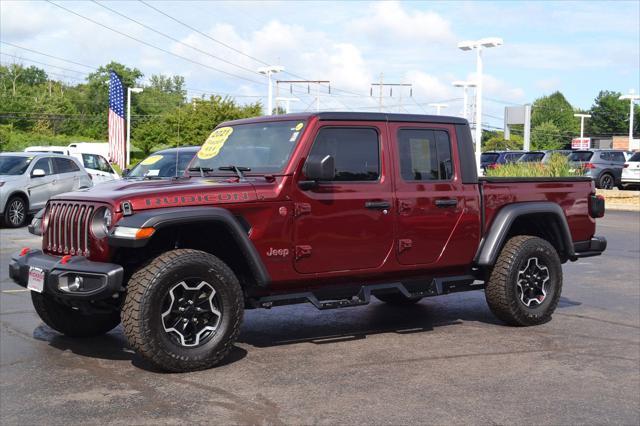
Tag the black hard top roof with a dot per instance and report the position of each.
(355, 116)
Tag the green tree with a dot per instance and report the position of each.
(547, 135)
(497, 142)
(610, 115)
(555, 109)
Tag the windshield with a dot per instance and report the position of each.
(14, 165)
(489, 158)
(162, 165)
(260, 147)
(532, 157)
(580, 156)
(635, 157)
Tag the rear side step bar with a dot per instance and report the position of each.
(437, 287)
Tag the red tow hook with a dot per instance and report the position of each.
(65, 259)
(24, 251)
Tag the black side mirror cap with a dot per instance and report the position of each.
(320, 167)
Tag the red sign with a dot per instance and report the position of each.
(580, 143)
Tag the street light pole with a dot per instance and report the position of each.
(479, 45)
(268, 71)
(465, 104)
(582, 117)
(630, 97)
(129, 91)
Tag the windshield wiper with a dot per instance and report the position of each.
(238, 170)
(202, 170)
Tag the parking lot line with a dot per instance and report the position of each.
(19, 290)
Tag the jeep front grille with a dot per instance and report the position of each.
(67, 228)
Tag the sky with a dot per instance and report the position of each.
(578, 47)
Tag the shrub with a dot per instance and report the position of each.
(558, 166)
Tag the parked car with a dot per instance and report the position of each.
(88, 154)
(493, 159)
(603, 165)
(164, 164)
(631, 172)
(328, 208)
(542, 156)
(28, 180)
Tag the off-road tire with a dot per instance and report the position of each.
(500, 290)
(141, 314)
(15, 202)
(72, 322)
(398, 299)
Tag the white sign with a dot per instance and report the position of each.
(580, 143)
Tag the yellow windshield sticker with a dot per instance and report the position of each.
(299, 127)
(214, 143)
(152, 159)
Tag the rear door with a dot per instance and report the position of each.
(346, 224)
(617, 164)
(429, 193)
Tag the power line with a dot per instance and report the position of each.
(175, 39)
(43, 63)
(151, 45)
(46, 54)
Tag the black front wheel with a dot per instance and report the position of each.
(183, 310)
(524, 285)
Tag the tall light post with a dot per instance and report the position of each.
(479, 45)
(129, 91)
(287, 103)
(438, 107)
(631, 97)
(582, 117)
(465, 86)
(268, 71)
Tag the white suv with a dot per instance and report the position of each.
(631, 171)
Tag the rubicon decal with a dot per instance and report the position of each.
(272, 252)
(178, 200)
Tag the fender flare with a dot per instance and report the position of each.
(163, 218)
(495, 238)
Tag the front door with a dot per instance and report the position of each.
(347, 223)
(430, 199)
(41, 188)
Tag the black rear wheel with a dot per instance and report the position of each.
(525, 284)
(606, 181)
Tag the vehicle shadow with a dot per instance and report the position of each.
(305, 324)
(111, 346)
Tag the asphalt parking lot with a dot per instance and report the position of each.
(443, 361)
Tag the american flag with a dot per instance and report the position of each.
(117, 143)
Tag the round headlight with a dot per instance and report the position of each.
(101, 222)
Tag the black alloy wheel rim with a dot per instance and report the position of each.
(532, 284)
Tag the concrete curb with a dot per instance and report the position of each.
(616, 199)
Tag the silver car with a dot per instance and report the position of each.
(28, 180)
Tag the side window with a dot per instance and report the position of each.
(43, 164)
(64, 165)
(356, 152)
(605, 156)
(103, 165)
(90, 161)
(618, 157)
(424, 154)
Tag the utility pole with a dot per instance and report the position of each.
(308, 83)
(287, 103)
(381, 85)
(438, 107)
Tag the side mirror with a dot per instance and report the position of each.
(38, 173)
(318, 168)
(125, 172)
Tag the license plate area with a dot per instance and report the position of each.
(36, 279)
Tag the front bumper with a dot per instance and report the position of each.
(593, 247)
(100, 280)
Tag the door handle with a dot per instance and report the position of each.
(447, 202)
(377, 205)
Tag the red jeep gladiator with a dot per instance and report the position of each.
(327, 208)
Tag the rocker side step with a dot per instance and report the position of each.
(437, 287)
